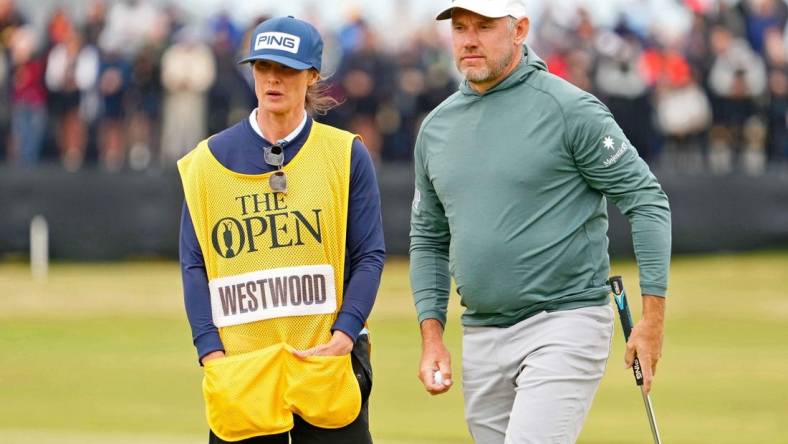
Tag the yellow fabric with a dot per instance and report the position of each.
(243, 400)
(243, 227)
(238, 395)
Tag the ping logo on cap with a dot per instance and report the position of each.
(277, 40)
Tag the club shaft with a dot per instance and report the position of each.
(652, 420)
(625, 316)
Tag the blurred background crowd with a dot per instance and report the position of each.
(135, 84)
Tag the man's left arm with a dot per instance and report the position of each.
(610, 164)
(366, 252)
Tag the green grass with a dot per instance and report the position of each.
(102, 354)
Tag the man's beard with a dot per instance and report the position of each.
(487, 73)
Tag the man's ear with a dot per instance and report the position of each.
(521, 30)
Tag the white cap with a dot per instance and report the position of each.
(487, 8)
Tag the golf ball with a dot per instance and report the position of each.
(438, 377)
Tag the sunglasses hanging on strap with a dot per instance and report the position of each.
(275, 156)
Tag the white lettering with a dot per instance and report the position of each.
(277, 40)
(615, 157)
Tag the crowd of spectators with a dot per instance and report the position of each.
(132, 84)
(712, 95)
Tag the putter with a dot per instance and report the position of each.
(617, 284)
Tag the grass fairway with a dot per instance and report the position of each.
(102, 354)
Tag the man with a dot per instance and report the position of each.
(512, 173)
(281, 254)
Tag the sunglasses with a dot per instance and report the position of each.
(275, 156)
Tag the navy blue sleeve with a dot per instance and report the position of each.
(196, 295)
(365, 250)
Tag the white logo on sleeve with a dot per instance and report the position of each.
(610, 145)
(416, 200)
(277, 40)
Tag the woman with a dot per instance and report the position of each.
(281, 254)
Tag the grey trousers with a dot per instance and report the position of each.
(534, 382)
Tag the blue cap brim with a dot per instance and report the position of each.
(287, 61)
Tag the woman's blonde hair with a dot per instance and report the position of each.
(318, 101)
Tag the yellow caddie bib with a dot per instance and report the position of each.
(275, 267)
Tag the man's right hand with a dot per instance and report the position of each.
(434, 357)
(212, 355)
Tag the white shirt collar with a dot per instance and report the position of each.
(288, 138)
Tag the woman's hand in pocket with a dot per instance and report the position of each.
(211, 356)
(339, 345)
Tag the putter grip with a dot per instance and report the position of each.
(620, 296)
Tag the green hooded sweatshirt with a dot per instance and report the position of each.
(510, 199)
